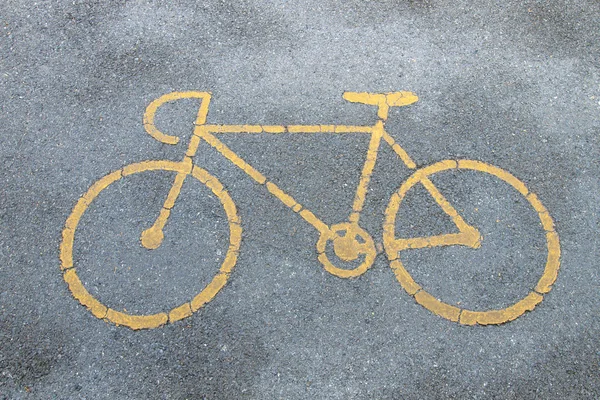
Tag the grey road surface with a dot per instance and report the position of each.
(515, 84)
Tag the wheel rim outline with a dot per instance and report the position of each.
(182, 311)
(456, 314)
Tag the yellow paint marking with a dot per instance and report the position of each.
(281, 195)
(235, 233)
(314, 221)
(84, 297)
(339, 272)
(235, 128)
(383, 101)
(365, 177)
(215, 185)
(495, 317)
(136, 322)
(389, 243)
(437, 167)
(154, 320)
(352, 129)
(252, 128)
(552, 264)
(467, 237)
(231, 211)
(203, 110)
(231, 257)
(100, 185)
(193, 146)
(436, 306)
(66, 257)
(347, 247)
(66, 246)
(181, 312)
(152, 237)
(201, 174)
(350, 242)
(441, 200)
(209, 291)
(234, 158)
(404, 156)
(273, 129)
(404, 278)
(304, 128)
(175, 190)
(416, 177)
(547, 222)
(76, 214)
(278, 129)
(390, 99)
(400, 99)
(500, 173)
(153, 107)
(187, 165)
(399, 151)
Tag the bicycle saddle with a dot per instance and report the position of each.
(382, 100)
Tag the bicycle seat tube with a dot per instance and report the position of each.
(383, 101)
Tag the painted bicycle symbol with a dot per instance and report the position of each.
(350, 242)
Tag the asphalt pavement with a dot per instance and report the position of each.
(237, 302)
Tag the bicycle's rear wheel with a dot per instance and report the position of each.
(181, 311)
(452, 312)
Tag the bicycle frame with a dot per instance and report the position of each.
(350, 248)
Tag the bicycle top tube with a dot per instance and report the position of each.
(214, 128)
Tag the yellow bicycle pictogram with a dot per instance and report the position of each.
(349, 240)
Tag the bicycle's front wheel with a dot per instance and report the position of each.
(395, 245)
(148, 321)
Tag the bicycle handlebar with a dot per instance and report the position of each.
(152, 107)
